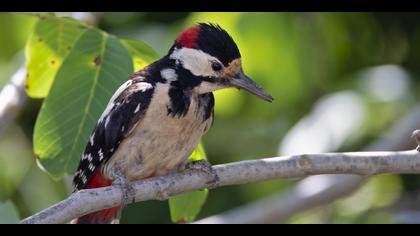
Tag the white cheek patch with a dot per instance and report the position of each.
(196, 61)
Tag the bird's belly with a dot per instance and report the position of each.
(158, 145)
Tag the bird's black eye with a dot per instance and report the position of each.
(216, 66)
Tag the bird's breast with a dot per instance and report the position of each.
(161, 141)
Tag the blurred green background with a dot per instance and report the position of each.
(339, 81)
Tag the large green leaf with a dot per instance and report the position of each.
(185, 207)
(96, 66)
(142, 53)
(50, 42)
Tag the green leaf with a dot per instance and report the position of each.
(8, 213)
(198, 154)
(47, 47)
(142, 53)
(96, 66)
(186, 206)
(42, 15)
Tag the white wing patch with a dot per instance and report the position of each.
(143, 86)
(111, 101)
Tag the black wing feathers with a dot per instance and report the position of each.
(126, 110)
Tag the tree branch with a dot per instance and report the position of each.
(316, 191)
(160, 188)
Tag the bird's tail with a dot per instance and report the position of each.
(106, 216)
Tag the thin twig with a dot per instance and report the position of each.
(361, 163)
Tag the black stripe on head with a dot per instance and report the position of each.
(215, 41)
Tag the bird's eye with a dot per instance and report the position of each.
(216, 66)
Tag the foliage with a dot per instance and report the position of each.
(302, 59)
(96, 66)
(47, 47)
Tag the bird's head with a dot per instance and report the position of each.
(212, 60)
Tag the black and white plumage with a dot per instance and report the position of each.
(125, 108)
(155, 120)
(128, 107)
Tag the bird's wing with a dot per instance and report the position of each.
(125, 109)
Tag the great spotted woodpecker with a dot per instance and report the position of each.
(155, 120)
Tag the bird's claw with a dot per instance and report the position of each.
(207, 168)
(162, 195)
(129, 194)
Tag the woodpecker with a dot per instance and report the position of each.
(155, 120)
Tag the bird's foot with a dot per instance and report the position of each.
(416, 136)
(162, 195)
(206, 167)
(129, 194)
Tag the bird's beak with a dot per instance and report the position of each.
(241, 81)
